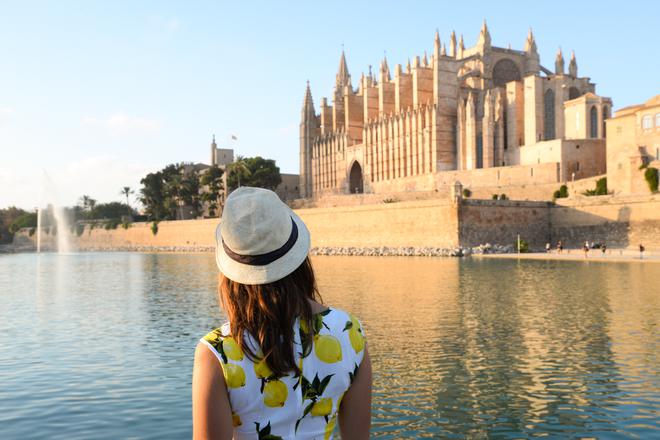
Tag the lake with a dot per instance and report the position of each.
(100, 345)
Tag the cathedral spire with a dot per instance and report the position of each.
(425, 60)
(452, 44)
(559, 62)
(572, 66)
(484, 36)
(343, 77)
(436, 45)
(443, 51)
(308, 103)
(384, 71)
(461, 47)
(408, 68)
(530, 44)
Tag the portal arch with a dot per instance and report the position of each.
(355, 179)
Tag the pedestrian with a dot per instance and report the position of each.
(603, 248)
(586, 249)
(547, 248)
(641, 251)
(285, 365)
(560, 247)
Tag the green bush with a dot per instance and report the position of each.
(80, 228)
(563, 191)
(556, 195)
(111, 224)
(495, 196)
(467, 193)
(154, 228)
(601, 188)
(31, 231)
(125, 224)
(503, 197)
(27, 220)
(643, 166)
(651, 177)
(524, 246)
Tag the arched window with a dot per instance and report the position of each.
(647, 122)
(593, 122)
(504, 71)
(573, 93)
(549, 115)
(606, 115)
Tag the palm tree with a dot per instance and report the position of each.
(238, 167)
(126, 191)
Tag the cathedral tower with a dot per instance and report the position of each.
(308, 131)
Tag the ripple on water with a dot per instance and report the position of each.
(100, 345)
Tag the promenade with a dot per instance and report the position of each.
(612, 255)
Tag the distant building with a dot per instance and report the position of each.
(221, 156)
(633, 140)
(460, 109)
(289, 189)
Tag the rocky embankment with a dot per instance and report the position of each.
(385, 251)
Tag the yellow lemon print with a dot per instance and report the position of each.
(236, 419)
(322, 407)
(275, 393)
(231, 349)
(330, 427)
(234, 376)
(262, 370)
(327, 348)
(357, 340)
(304, 327)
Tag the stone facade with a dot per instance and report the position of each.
(633, 140)
(460, 109)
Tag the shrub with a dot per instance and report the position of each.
(601, 188)
(80, 228)
(503, 197)
(643, 166)
(154, 228)
(467, 193)
(390, 200)
(651, 177)
(556, 195)
(563, 191)
(31, 231)
(495, 197)
(524, 246)
(111, 224)
(125, 224)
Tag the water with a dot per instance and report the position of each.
(101, 345)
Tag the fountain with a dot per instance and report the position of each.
(58, 214)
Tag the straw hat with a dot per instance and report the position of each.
(259, 239)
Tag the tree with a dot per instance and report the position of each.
(152, 196)
(126, 191)
(110, 211)
(212, 180)
(254, 171)
(8, 217)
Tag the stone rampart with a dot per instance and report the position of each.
(423, 224)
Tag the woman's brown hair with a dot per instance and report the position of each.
(268, 312)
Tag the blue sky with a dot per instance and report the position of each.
(98, 93)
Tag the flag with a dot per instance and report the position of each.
(233, 137)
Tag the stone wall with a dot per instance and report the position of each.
(430, 223)
(617, 221)
(500, 221)
(435, 223)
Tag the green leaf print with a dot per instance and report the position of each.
(264, 434)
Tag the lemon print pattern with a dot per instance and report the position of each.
(322, 407)
(234, 375)
(231, 349)
(328, 350)
(275, 393)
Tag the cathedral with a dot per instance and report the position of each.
(480, 114)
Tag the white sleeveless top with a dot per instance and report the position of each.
(266, 407)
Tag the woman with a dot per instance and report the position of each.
(284, 366)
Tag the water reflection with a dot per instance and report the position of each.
(502, 348)
(100, 345)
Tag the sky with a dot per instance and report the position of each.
(96, 94)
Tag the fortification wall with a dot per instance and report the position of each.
(500, 222)
(617, 221)
(431, 223)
